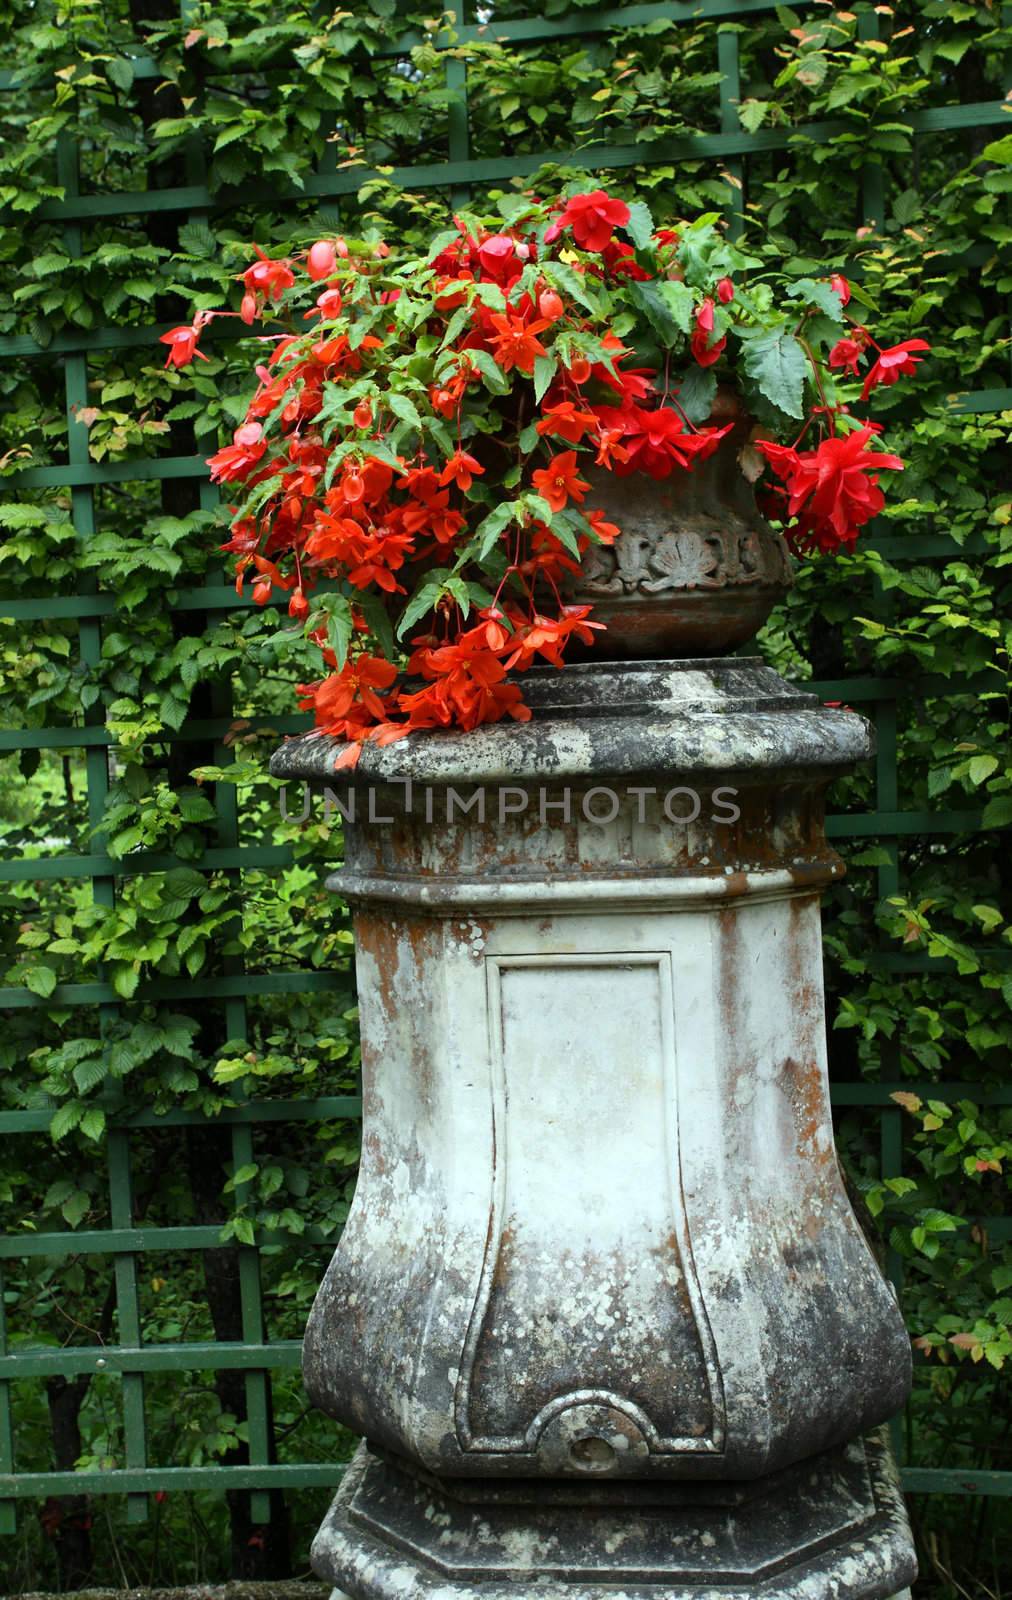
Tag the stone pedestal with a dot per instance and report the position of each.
(601, 1310)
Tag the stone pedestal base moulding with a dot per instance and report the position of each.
(601, 1310)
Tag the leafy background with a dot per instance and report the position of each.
(153, 870)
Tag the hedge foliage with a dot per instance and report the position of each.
(251, 99)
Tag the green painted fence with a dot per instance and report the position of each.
(125, 1241)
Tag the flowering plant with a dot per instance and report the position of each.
(410, 469)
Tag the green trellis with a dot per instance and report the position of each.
(126, 1242)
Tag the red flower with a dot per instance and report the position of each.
(846, 353)
(725, 291)
(548, 636)
(362, 414)
(239, 457)
(560, 481)
(705, 353)
(355, 684)
(656, 442)
(593, 219)
(892, 363)
(550, 305)
(182, 343)
(268, 278)
(328, 304)
(514, 344)
(834, 488)
(499, 259)
(566, 422)
(461, 469)
(607, 532)
(321, 261)
(839, 283)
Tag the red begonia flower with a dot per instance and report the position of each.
(893, 363)
(593, 219)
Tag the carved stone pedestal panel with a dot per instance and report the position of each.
(601, 1308)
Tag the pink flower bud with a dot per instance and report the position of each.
(321, 261)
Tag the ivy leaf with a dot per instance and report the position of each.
(777, 366)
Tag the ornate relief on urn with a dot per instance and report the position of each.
(697, 568)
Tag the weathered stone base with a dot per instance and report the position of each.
(832, 1528)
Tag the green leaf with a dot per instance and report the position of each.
(340, 625)
(680, 301)
(814, 293)
(544, 371)
(243, 1229)
(404, 408)
(374, 611)
(640, 226)
(88, 1074)
(75, 1208)
(696, 391)
(998, 812)
(981, 767)
(777, 366)
(64, 1119)
(125, 979)
(93, 1123)
(753, 113)
(572, 283)
(421, 603)
(441, 242)
(663, 312)
(491, 529)
(40, 980)
(120, 72)
(494, 377)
